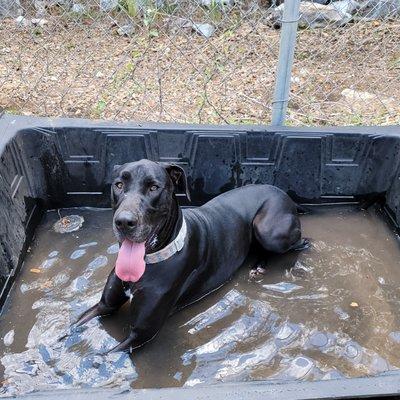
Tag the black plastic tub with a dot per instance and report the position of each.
(53, 163)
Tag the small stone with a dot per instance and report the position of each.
(78, 8)
(39, 22)
(125, 30)
(108, 5)
(354, 304)
(22, 21)
(205, 30)
(99, 74)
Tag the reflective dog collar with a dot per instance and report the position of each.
(168, 251)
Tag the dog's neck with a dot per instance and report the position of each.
(168, 231)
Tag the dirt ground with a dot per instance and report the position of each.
(83, 68)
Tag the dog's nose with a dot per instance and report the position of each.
(125, 221)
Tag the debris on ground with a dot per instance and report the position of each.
(70, 223)
(206, 30)
(315, 15)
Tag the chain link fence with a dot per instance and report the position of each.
(347, 64)
(200, 61)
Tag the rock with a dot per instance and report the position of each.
(125, 30)
(315, 15)
(376, 9)
(10, 8)
(78, 8)
(22, 22)
(39, 22)
(205, 30)
(108, 5)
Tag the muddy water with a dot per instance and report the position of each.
(329, 311)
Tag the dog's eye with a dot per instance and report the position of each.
(119, 185)
(153, 188)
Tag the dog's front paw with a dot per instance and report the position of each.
(125, 346)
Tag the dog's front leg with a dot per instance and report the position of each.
(149, 310)
(113, 297)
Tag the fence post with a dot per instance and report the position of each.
(287, 44)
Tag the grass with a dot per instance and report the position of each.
(99, 108)
(131, 7)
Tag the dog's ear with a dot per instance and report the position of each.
(178, 177)
(114, 173)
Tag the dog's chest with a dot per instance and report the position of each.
(129, 293)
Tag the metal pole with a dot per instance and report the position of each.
(286, 52)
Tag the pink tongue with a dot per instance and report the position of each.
(130, 263)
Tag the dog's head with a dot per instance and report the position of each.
(142, 196)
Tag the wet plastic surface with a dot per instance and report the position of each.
(328, 312)
(59, 163)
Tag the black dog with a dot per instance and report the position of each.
(170, 258)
